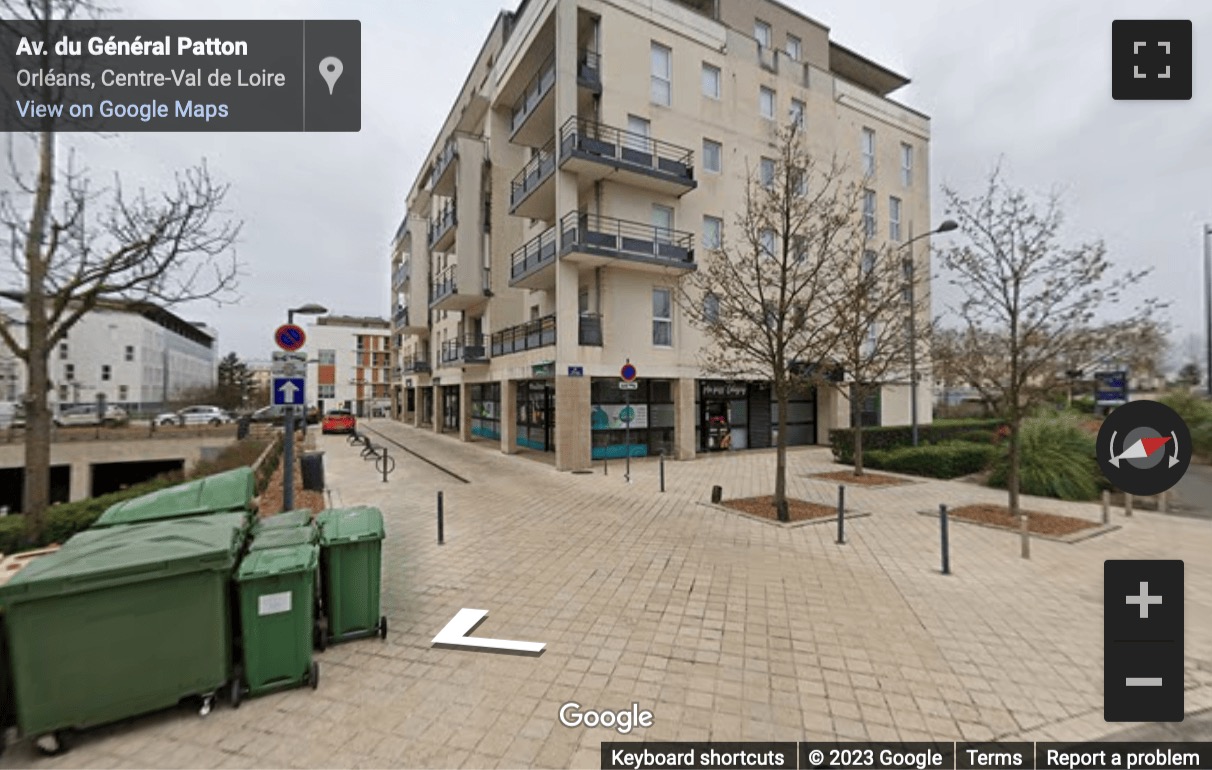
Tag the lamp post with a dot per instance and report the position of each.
(947, 226)
(1208, 303)
(288, 421)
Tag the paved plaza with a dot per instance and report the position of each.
(725, 628)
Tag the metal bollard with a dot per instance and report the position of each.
(662, 471)
(717, 494)
(605, 465)
(942, 523)
(1163, 502)
(384, 462)
(841, 514)
(1106, 506)
(441, 534)
(1127, 504)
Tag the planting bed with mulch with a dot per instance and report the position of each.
(1037, 523)
(763, 508)
(866, 480)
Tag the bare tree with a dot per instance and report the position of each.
(761, 294)
(1025, 293)
(76, 244)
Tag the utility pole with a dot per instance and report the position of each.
(1208, 305)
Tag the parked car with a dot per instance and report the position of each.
(86, 414)
(277, 414)
(339, 421)
(195, 415)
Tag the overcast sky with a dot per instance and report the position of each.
(1027, 81)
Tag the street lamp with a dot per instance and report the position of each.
(947, 226)
(1208, 301)
(288, 421)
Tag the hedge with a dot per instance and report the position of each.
(940, 461)
(841, 440)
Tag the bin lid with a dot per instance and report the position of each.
(228, 491)
(347, 525)
(283, 536)
(278, 561)
(295, 518)
(119, 555)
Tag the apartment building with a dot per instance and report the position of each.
(352, 365)
(593, 150)
(136, 355)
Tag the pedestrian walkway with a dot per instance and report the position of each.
(725, 628)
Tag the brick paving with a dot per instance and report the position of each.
(725, 627)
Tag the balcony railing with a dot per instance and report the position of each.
(589, 68)
(402, 272)
(534, 254)
(416, 364)
(535, 90)
(626, 150)
(597, 234)
(539, 333)
(444, 284)
(445, 220)
(450, 151)
(401, 316)
(468, 349)
(589, 330)
(534, 173)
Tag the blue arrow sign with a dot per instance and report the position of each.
(288, 391)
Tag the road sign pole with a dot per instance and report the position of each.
(627, 423)
(288, 457)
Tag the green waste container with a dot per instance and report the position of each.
(282, 537)
(121, 622)
(276, 589)
(350, 565)
(296, 518)
(229, 491)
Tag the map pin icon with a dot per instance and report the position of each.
(330, 70)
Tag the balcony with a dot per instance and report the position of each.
(589, 70)
(529, 193)
(529, 268)
(595, 151)
(417, 365)
(597, 240)
(442, 228)
(406, 322)
(532, 335)
(442, 180)
(444, 292)
(589, 330)
(401, 274)
(401, 316)
(534, 98)
(468, 349)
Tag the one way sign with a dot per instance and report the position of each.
(288, 391)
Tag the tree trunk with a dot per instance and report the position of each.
(36, 495)
(856, 424)
(1012, 482)
(780, 473)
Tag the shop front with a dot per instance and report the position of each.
(486, 410)
(638, 422)
(450, 408)
(536, 415)
(744, 415)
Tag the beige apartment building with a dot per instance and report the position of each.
(595, 148)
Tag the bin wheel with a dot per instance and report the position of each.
(52, 744)
(208, 703)
(322, 633)
(383, 627)
(236, 694)
(313, 677)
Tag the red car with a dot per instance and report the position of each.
(339, 421)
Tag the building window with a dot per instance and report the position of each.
(130, 352)
(662, 223)
(123, 393)
(799, 182)
(766, 241)
(907, 165)
(766, 103)
(638, 132)
(797, 114)
(761, 32)
(662, 317)
(328, 357)
(63, 394)
(711, 80)
(713, 156)
(326, 391)
(62, 351)
(69, 371)
(711, 309)
(868, 152)
(894, 218)
(766, 173)
(105, 372)
(794, 48)
(868, 262)
(869, 213)
(662, 72)
(713, 232)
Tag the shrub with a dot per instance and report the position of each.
(978, 437)
(1057, 460)
(1197, 413)
(841, 440)
(941, 461)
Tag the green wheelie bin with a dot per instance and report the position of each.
(276, 590)
(228, 491)
(296, 518)
(121, 622)
(283, 537)
(351, 542)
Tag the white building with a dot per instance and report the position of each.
(352, 365)
(139, 356)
